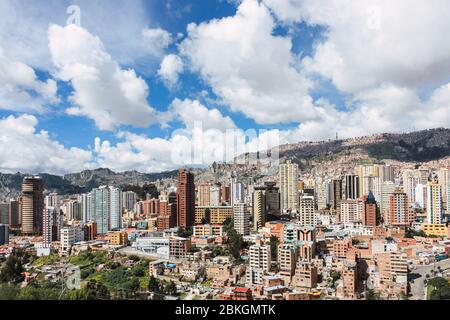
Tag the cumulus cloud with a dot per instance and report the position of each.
(191, 112)
(104, 92)
(249, 68)
(20, 88)
(156, 40)
(370, 43)
(171, 67)
(120, 24)
(34, 152)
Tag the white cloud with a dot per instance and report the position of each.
(191, 112)
(34, 152)
(253, 71)
(104, 92)
(371, 43)
(156, 40)
(170, 68)
(20, 89)
(120, 24)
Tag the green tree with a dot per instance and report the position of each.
(154, 285)
(372, 295)
(8, 292)
(440, 289)
(12, 270)
(235, 243)
(170, 288)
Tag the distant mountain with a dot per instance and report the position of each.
(81, 182)
(319, 159)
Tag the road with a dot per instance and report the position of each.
(418, 277)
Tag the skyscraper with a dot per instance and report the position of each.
(336, 193)
(434, 203)
(237, 191)
(32, 205)
(259, 208)
(351, 187)
(128, 200)
(101, 203)
(185, 199)
(399, 213)
(288, 175)
(204, 194)
(115, 215)
(241, 219)
(306, 211)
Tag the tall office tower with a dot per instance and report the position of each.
(241, 219)
(306, 243)
(336, 193)
(32, 205)
(4, 213)
(225, 194)
(185, 199)
(214, 197)
(85, 201)
(259, 208)
(410, 180)
(47, 226)
(349, 211)
(444, 179)
(73, 210)
(434, 203)
(4, 234)
(129, 199)
(323, 195)
(14, 214)
(448, 194)
(204, 195)
(288, 175)
(387, 189)
(272, 198)
(421, 196)
(372, 184)
(366, 171)
(351, 187)
(399, 213)
(101, 202)
(115, 215)
(53, 200)
(306, 211)
(237, 192)
(386, 173)
(368, 207)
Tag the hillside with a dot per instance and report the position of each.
(319, 159)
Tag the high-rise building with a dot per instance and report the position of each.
(349, 211)
(387, 189)
(213, 215)
(14, 214)
(115, 214)
(259, 208)
(260, 257)
(4, 234)
(306, 212)
(272, 194)
(434, 203)
(444, 181)
(369, 209)
(47, 222)
(288, 175)
(351, 186)
(185, 199)
(129, 200)
(86, 204)
(204, 194)
(287, 258)
(237, 192)
(336, 193)
(101, 203)
(421, 196)
(225, 195)
(399, 212)
(53, 200)
(32, 205)
(74, 210)
(4, 213)
(241, 219)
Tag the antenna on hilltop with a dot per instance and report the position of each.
(337, 136)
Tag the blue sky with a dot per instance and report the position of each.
(117, 89)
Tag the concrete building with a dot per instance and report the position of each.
(185, 199)
(288, 174)
(306, 212)
(213, 214)
(69, 236)
(32, 205)
(4, 234)
(351, 187)
(259, 209)
(287, 258)
(241, 219)
(434, 203)
(305, 277)
(399, 212)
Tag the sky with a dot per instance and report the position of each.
(159, 84)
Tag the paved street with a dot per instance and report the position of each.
(418, 276)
